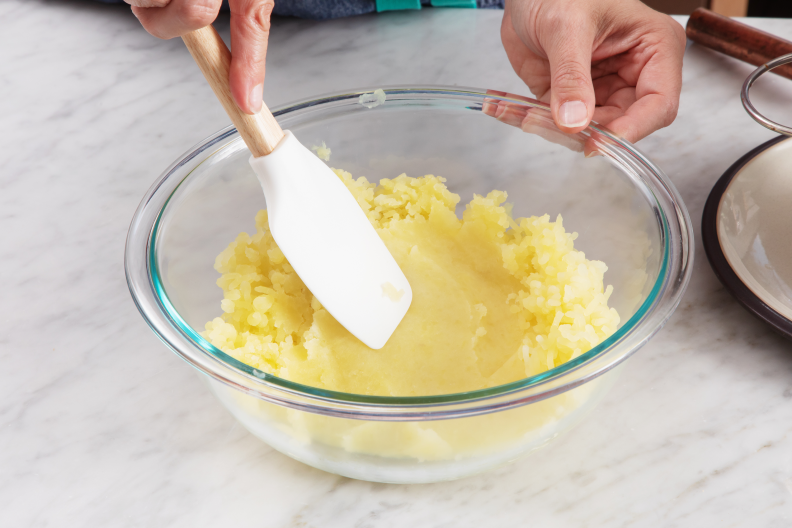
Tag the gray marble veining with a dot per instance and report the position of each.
(100, 425)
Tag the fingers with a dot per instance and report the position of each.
(250, 27)
(177, 17)
(606, 87)
(656, 92)
(650, 113)
(633, 53)
(572, 93)
(530, 67)
(511, 42)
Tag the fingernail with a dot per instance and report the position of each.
(573, 114)
(256, 98)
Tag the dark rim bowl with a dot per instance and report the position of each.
(720, 265)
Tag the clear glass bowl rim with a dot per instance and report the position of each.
(147, 291)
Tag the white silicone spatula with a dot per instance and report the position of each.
(314, 219)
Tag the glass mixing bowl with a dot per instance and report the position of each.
(626, 211)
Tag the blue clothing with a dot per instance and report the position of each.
(323, 9)
(327, 9)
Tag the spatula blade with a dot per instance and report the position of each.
(328, 240)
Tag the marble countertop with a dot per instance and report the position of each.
(101, 426)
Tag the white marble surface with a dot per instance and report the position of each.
(100, 425)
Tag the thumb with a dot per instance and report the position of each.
(572, 99)
(250, 26)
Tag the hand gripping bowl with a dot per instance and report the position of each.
(626, 211)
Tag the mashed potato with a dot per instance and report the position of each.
(495, 299)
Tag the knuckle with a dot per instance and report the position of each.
(669, 25)
(669, 34)
(198, 14)
(682, 37)
(256, 15)
(555, 15)
(261, 14)
(670, 113)
(559, 20)
(571, 75)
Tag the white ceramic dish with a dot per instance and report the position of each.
(747, 232)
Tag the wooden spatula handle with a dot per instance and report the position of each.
(737, 40)
(260, 132)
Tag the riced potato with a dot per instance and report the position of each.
(495, 299)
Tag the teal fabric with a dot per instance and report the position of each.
(471, 4)
(397, 5)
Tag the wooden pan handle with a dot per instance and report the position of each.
(737, 40)
(260, 131)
